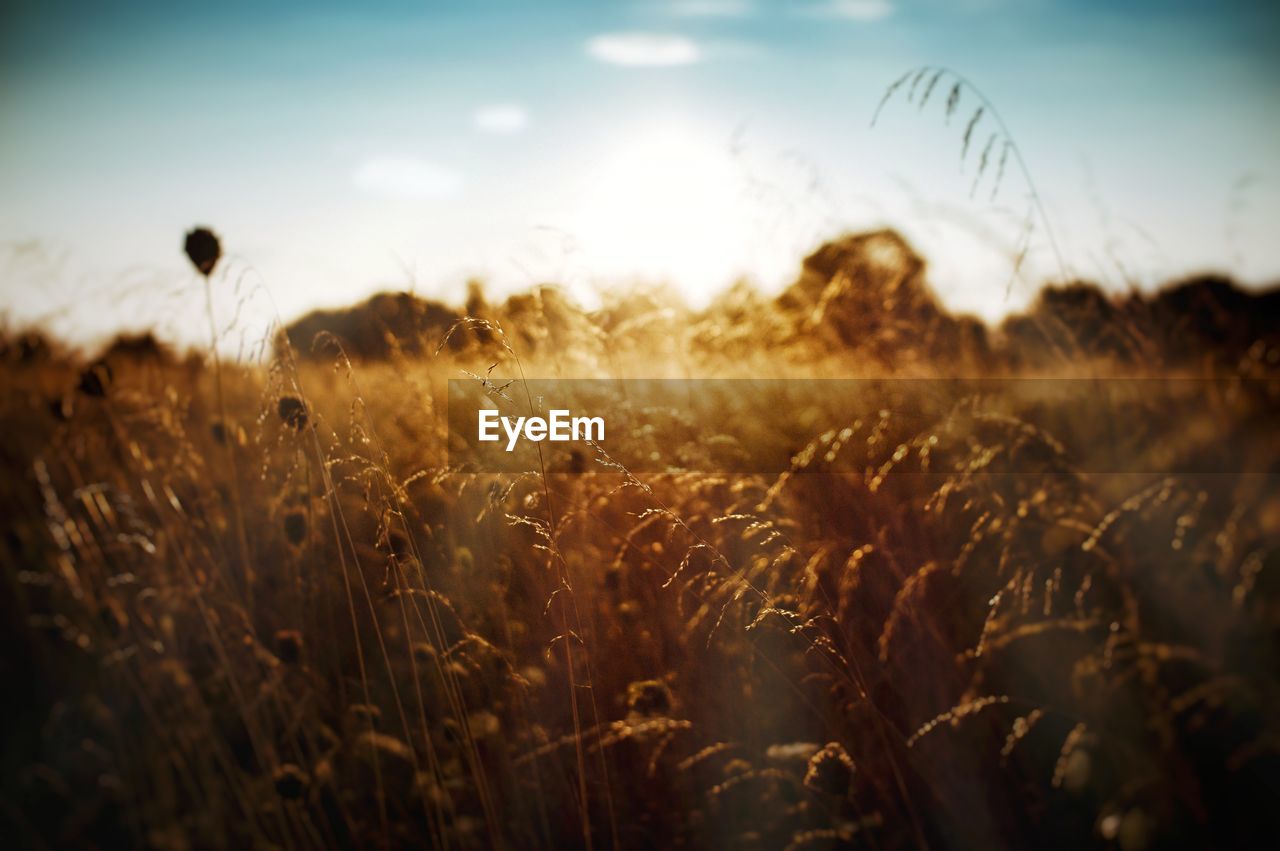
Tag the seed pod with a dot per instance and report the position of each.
(203, 249)
(292, 411)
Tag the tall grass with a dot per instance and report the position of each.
(926, 633)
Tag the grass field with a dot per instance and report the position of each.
(252, 605)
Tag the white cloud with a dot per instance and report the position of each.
(405, 178)
(710, 8)
(854, 10)
(501, 118)
(641, 49)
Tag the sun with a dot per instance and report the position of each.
(665, 205)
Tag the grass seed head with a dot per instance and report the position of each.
(830, 770)
(649, 697)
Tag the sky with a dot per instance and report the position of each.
(344, 148)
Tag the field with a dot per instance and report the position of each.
(251, 605)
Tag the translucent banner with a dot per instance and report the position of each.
(883, 426)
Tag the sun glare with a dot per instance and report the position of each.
(665, 206)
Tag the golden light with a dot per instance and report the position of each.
(665, 206)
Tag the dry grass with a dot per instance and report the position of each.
(922, 649)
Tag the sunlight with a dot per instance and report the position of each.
(665, 206)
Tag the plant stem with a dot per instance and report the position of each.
(246, 565)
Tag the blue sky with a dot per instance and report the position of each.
(341, 148)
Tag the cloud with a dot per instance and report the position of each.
(501, 118)
(710, 8)
(406, 179)
(641, 49)
(854, 10)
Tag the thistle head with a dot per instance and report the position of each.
(203, 249)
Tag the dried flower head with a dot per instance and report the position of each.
(203, 249)
(292, 411)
